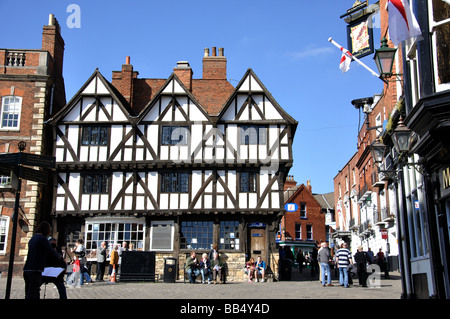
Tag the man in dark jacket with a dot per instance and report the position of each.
(40, 254)
(361, 261)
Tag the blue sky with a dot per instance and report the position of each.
(284, 42)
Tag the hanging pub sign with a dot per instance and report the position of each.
(360, 37)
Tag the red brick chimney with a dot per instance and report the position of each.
(290, 182)
(184, 72)
(123, 80)
(53, 42)
(214, 67)
(308, 185)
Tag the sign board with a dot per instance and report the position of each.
(384, 234)
(360, 37)
(28, 160)
(291, 207)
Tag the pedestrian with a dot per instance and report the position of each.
(361, 260)
(216, 266)
(260, 268)
(80, 252)
(101, 261)
(370, 254)
(205, 268)
(213, 250)
(324, 259)
(300, 260)
(191, 267)
(343, 260)
(114, 261)
(40, 253)
(380, 259)
(120, 251)
(250, 268)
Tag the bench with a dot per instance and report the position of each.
(222, 274)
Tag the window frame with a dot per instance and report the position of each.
(101, 140)
(251, 182)
(199, 232)
(4, 233)
(246, 139)
(104, 187)
(182, 181)
(169, 223)
(19, 113)
(167, 137)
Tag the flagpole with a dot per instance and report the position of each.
(352, 57)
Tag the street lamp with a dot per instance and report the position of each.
(384, 59)
(377, 150)
(401, 137)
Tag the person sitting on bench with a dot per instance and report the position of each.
(260, 268)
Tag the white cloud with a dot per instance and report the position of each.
(310, 51)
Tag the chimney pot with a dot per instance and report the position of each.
(51, 19)
(214, 51)
(206, 54)
(128, 59)
(221, 52)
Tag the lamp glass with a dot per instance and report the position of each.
(402, 140)
(384, 58)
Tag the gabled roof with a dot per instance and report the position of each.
(325, 200)
(245, 86)
(178, 88)
(91, 88)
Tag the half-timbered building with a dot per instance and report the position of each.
(173, 165)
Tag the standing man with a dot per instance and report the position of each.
(40, 253)
(361, 260)
(324, 258)
(101, 261)
(343, 260)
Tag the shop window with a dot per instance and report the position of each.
(229, 234)
(196, 234)
(114, 233)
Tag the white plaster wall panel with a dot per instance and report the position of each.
(284, 152)
(195, 114)
(74, 114)
(255, 87)
(117, 183)
(93, 153)
(184, 201)
(128, 154)
(140, 202)
(252, 200)
(104, 202)
(208, 201)
(95, 202)
(245, 87)
(153, 114)
(85, 201)
(116, 138)
(90, 88)
(59, 206)
(153, 138)
(164, 201)
(89, 115)
(164, 153)
(101, 88)
(173, 201)
(243, 199)
(275, 200)
(72, 137)
(271, 112)
(220, 201)
(153, 183)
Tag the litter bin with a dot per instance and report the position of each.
(170, 269)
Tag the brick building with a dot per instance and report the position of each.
(306, 226)
(31, 89)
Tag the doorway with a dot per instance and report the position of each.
(258, 243)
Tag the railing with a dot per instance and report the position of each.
(15, 58)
